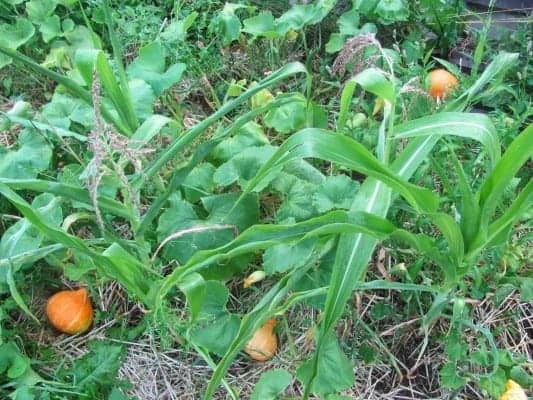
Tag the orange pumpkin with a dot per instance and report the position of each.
(70, 311)
(441, 83)
(264, 343)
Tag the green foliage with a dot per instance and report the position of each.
(94, 374)
(16, 368)
(384, 11)
(271, 384)
(31, 156)
(177, 207)
(215, 327)
(15, 35)
(149, 66)
(333, 371)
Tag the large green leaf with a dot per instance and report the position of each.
(243, 167)
(100, 364)
(250, 135)
(296, 18)
(227, 24)
(192, 233)
(63, 110)
(215, 328)
(38, 10)
(22, 237)
(334, 370)
(290, 117)
(336, 192)
(271, 384)
(32, 156)
(14, 36)
(176, 31)
(150, 66)
(286, 256)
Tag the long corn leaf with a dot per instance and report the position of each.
(519, 151)
(119, 62)
(468, 125)
(312, 142)
(74, 193)
(89, 60)
(259, 237)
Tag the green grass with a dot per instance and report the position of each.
(167, 150)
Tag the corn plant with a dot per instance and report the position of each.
(358, 240)
(135, 262)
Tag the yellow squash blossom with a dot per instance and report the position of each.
(513, 391)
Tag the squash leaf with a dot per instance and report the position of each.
(271, 384)
(334, 369)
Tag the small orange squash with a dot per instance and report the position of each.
(70, 311)
(441, 83)
(264, 343)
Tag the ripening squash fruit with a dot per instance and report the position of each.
(264, 343)
(441, 83)
(70, 311)
(513, 391)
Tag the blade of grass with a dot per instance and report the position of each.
(15, 294)
(499, 229)
(29, 257)
(467, 204)
(499, 65)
